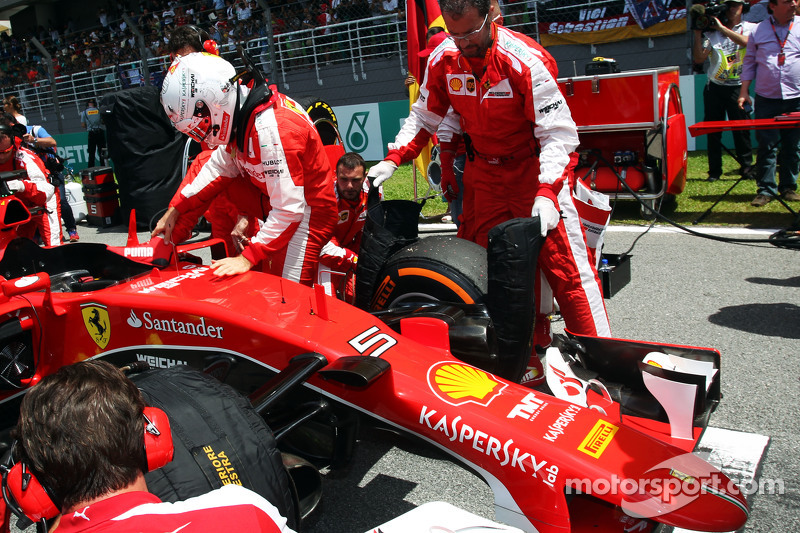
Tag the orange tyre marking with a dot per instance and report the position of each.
(450, 284)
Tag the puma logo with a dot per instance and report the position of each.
(81, 514)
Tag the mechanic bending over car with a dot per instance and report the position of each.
(241, 200)
(35, 191)
(265, 138)
(86, 435)
(521, 142)
(339, 256)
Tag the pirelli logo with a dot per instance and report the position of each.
(598, 439)
(222, 466)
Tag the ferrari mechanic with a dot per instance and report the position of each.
(340, 255)
(521, 140)
(263, 137)
(35, 191)
(85, 440)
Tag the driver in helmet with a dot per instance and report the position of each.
(266, 138)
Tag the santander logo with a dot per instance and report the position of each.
(171, 325)
(133, 320)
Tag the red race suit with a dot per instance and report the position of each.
(285, 160)
(340, 255)
(522, 139)
(222, 212)
(38, 193)
(230, 508)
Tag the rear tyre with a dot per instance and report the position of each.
(323, 117)
(439, 268)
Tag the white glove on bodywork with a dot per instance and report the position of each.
(15, 186)
(545, 209)
(381, 172)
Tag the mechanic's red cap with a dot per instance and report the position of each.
(433, 42)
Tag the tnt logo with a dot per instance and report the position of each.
(528, 408)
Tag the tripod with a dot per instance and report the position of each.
(703, 128)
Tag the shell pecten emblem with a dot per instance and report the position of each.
(458, 383)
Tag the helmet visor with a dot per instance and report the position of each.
(199, 125)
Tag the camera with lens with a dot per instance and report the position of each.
(703, 15)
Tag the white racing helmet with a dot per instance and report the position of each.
(200, 97)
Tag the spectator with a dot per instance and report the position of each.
(11, 105)
(773, 62)
(92, 122)
(522, 165)
(292, 170)
(35, 191)
(757, 13)
(243, 11)
(101, 486)
(102, 17)
(725, 45)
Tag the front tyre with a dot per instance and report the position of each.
(439, 268)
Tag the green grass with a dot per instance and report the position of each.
(697, 197)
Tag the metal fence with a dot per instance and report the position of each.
(353, 42)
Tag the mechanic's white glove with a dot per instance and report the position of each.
(381, 172)
(545, 209)
(15, 185)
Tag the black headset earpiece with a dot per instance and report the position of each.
(204, 40)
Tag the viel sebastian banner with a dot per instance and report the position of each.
(567, 22)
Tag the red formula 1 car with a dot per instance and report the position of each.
(615, 460)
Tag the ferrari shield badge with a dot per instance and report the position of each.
(95, 318)
(458, 383)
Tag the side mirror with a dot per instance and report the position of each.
(26, 284)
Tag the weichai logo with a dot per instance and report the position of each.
(458, 383)
(598, 439)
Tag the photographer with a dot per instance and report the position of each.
(724, 43)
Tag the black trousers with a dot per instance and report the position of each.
(97, 142)
(719, 100)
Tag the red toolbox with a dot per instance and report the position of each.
(631, 127)
(97, 176)
(102, 205)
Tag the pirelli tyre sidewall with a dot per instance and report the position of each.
(218, 439)
(438, 268)
(323, 117)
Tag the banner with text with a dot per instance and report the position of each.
(571, 23)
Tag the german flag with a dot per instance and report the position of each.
(420, 16)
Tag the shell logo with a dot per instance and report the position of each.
(459, 383)
(456, 84)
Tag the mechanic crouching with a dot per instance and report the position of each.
(85, 440)
(263, 137)
(339, 256)
(36, 192)
(521, 142)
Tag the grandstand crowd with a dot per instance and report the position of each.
(107, 40)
